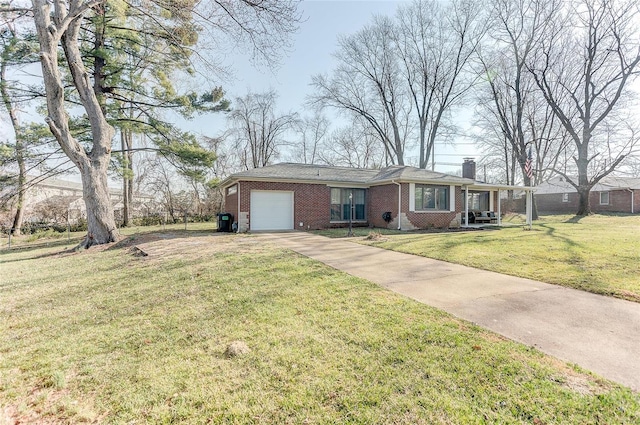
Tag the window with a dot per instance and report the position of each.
(478, 201)
(565, 197)
(341, 205)
(432, 198)
(604, 198)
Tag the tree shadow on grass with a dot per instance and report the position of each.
(551, 232)
(33, 248)
(575, 219)
(570, 245)
(124, 243)
(160, 235)
(456, 239)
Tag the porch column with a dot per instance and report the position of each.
(499, 209)
(528, 207)
(466, 206)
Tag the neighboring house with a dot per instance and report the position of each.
(52, 199)
(308, 197)
(611, 194)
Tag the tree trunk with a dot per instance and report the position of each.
(130, 183)
(584, 205)
(125, 180)
(100, 219)
(93, 164)
(582, 162)
(22, 178)
(20, 148)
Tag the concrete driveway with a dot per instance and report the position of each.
(598, 333)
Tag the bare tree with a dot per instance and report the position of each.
(355, 145)
(368, 83)
(223, 166)
(18, 50)
(584, 66)
(435, 43)
(258, 129)
(164, 181)
(510, 97)
(313, 131)
(59, 23)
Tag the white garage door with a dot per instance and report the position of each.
(271, 210)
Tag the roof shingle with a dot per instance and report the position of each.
(325, 173)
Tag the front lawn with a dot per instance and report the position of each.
(598, 253)
(111, 336)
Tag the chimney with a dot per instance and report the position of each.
(469, 169)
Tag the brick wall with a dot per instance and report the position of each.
(312, 206)
(425, 220)
(619, 201)
(312, 202)
(552, 203)
(231, 204)
(385, 198)
(382, 199)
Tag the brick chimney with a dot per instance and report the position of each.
(469, 168)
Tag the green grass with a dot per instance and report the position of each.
(51, 238)
(598, 253)
(357, 232)
(106, 336)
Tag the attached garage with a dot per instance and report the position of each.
(271, 210)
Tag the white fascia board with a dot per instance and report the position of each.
(488, 186)
(342, 185)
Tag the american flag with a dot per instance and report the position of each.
(528, 166)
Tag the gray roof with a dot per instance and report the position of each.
(407, 173)
(290, 171)
(622, 182)
(560, 185)
(325, 173)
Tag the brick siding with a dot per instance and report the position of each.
(231, 203)
(382, 199)
(385, 198)
(425, 220)
(312, 205)
(619, 201)
(312, 202)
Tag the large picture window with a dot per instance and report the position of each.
(478, 201)
(341, 205)
(432, 198)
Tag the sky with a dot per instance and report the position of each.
(311, 53)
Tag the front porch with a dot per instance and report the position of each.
(483, 198)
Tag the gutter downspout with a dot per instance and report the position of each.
(632, 193)
(238, 218)
(399, 203)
